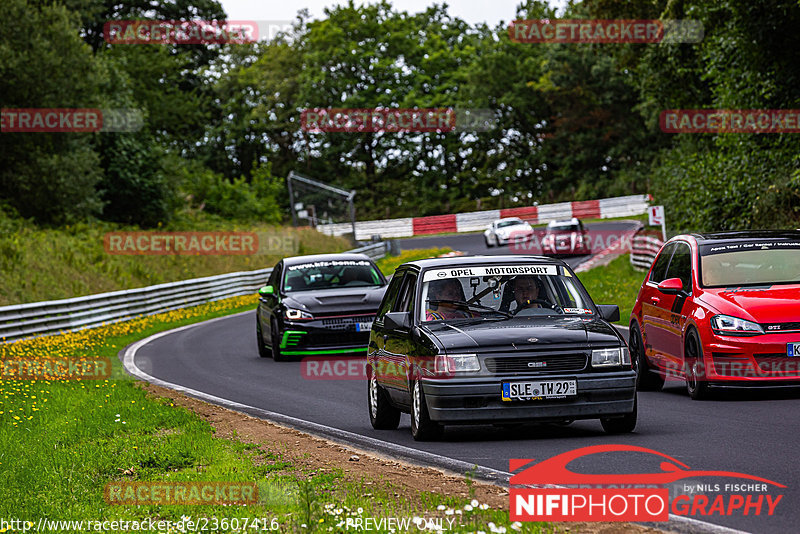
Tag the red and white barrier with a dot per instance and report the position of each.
(479, 220)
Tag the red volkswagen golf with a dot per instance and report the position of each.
(720, 310)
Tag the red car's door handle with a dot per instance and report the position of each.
(655, 300)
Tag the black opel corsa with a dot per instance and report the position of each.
(495, 339)
(321, 304)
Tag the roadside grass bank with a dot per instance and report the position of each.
(62, 441)
(388, 264)
(39, 264)
(616, 283)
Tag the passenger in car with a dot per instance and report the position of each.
(446, 290)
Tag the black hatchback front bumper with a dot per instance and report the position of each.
(478, 400)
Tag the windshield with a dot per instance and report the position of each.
(500, 292)
(750, 264)
(504, 224)
(331, 274)
(563, 228)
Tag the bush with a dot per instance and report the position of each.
(238, 199)
(738, 186)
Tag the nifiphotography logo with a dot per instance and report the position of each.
(549, 491)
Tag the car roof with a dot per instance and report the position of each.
(573, 220)
(744, 235)
(295, 260)
(472, 260)
(516, 219)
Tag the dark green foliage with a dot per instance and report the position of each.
(573, 121)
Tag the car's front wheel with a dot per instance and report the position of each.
(696, 382)
(276, 343)
(382, 415)
(489, 243)
(646, 378)
(621, 425)
(263, 351)
(422, 427)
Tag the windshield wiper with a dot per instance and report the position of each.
(470, 305)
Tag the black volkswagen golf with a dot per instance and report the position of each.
(496, 339)
(322, 304)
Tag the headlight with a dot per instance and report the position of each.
(610, 357)
(446, 364)
(296, 315)
(726, 325)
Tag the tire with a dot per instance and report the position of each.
(488, 243)
(276, 343)
(263, 351)
(696, 384)
(422, 428)
(382, 415)
(621, 425)
(646, 378)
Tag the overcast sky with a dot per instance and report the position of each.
(472, 11)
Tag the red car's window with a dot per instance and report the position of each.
(751, 267)
(681, 265)
(659, 272)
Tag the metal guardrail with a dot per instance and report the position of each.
(36, 318)
(644, 250)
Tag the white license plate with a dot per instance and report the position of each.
(363, 327)
(543, 389)
(793, 350)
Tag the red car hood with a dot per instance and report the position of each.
(773, 304)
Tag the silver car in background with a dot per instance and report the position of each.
(503, 231)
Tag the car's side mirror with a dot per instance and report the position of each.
(671, 286)
(397, 320)
(609, 312)
(266, 291)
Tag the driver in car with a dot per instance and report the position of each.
(526, 291)
(445, 290)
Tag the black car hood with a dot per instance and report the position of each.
(524, 334)
(346, 299)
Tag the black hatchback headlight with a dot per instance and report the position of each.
(611, 357)
(297, 315)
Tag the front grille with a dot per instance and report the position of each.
(766, 364)
(777, 364)
(337, 338)
(345, 322)
(540, 364)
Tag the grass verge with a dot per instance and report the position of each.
(61, 442)
(616, 283)
(388, 264)
(54, 263)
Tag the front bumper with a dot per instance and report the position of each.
(309, 338)
(477, 400)
(751, 360)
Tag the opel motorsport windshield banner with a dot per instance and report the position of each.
(491, 270)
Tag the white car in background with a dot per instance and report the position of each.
(501, 231)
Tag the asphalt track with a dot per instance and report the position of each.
(753, 433)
